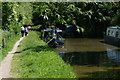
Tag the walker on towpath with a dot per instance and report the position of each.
(5, 66)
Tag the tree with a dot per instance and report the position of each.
(16, 13)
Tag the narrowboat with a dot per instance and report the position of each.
(113, 35)
(71, 32)
(52, 37)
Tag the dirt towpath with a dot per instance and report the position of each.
(6, 63)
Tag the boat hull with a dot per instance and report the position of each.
(112, 40)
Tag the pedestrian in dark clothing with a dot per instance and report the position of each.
(22, 31)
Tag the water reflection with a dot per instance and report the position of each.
(94, 64)
(86, 45)
(91, 58)
(113, 55)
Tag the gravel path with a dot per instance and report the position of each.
(6, 63)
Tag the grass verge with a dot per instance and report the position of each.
(35, 59)
(9, 43)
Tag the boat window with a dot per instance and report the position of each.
(112, 33)
(116, 35)
(108, 32)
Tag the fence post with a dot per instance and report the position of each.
(3, 43)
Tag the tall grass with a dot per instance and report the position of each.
(10, 40)
(0, 45)
(35, 59)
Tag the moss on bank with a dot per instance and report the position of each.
(35, 59)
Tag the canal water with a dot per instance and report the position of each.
(91, 58)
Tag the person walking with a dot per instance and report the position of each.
(27, 28)
(22, 30)
(26, 31)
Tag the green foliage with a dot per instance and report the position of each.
(116, 18)
(16, 13)
(35, 59)
(94, 17)
(35, 27)
(0, 40)
(10, 39)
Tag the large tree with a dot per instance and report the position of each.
(94, 17)
(16, 13)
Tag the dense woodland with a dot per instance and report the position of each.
(93, 17)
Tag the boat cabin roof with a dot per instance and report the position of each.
(114, 27)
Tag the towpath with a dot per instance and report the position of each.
(6, 63)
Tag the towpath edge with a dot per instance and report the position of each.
(5, 66)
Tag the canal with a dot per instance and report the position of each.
(91, 58)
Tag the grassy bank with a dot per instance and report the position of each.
(9, 43)
(35, 59)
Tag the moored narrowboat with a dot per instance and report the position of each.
(113, 35)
